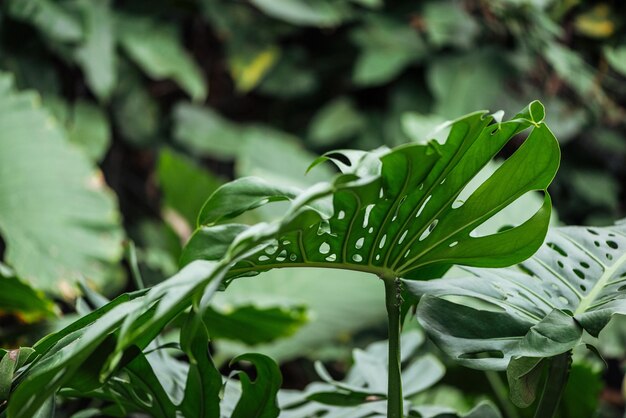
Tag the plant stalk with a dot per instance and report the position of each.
(502, 393)
(393, 302)
(558, 374)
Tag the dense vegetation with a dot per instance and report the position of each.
(125, 248)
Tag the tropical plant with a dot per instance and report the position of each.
(528, 318)
(393, 213)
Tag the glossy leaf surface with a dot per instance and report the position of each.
(397, 213)
(539, 308)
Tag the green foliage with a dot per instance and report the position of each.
(397, 213)
(40, 165)
(125, 89)
(522, 315)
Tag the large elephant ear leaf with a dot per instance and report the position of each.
(51, 242)
(492, 319)
(401, 212)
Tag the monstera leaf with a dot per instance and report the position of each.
(538, 309)
(397, 213)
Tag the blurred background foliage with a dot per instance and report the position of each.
(118, 119)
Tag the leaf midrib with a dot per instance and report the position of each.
(586, 302)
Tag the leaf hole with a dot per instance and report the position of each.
(608, 256)
(557, 249)
(366, 217)
(263, 258)
(596, 243)
(403, 236)
(591, 231)
(341, 215)
(560, 263)
(332, 257)
(429, 230)
(359, 243)
(580, 274)
(357, 258)
(612, 244)
(583, 287)
(382, 241)
(421, 209)
(324, 248)
(584, 264)
(293, 257)
(453, 244)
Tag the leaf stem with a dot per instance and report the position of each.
(502, 393)
(394, 387)
(558, 374)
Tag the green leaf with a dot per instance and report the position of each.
(616, 58)
(258, 397)
(49, 17)
(524, 375)
(96, 54)
(81, 239)
(88, 127)
(306, 13)
(540, 308)
(463, 82)
(335, 122)
(156, 48)
(205, 132)
(397, 212)
(138, 318)
(185, 185)
(251, 324)
(387, 48)
(331, 317)
(448, 23)
(204, 381)
(18, 298)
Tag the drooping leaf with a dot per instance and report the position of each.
(258, 397)
(41, 172)
(397, 212)
(204, 381)
(252, 324)
(333, 317)
(156, 48)
(137, 317)
(538, 309)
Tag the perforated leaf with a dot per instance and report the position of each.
(576, 282)
(397, 213)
